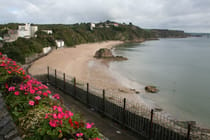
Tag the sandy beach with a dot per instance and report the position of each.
(79, 62)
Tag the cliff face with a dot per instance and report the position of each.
(169, 33)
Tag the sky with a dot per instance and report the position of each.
(187, 15)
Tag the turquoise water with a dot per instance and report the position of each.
(180, 68)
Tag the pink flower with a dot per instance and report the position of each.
(44, 86)
(28, 77)
(46, 116)
(79, 134)
(60, 116)
(16, 93)
(56, 96)
(32, 91)
(54, 108)
(35, 88)
(37, 98)
(95, 139)
(53, 123)
(48, 91)
(39, 92)
(60, 109)
(31, 102)
(9, 72)
(55, 116)
(26, 93)
(66, 116)
(45, 94)
(89, 125)
(70, 113)
(11, 89)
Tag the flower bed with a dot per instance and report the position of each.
(37, 113)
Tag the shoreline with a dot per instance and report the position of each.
(79, 62)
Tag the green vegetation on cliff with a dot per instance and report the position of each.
(72, 35)
(81, 33)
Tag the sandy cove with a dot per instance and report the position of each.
(79, 62)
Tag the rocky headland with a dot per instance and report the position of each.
(105, 53)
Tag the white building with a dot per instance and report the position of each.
(48, 31)
(59, 43)
(46, 50)
(27, 31)
(92, 26)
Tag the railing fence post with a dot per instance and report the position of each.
(87, 94)
(55, 78)
(103, 109)
(124, 113)
(48, 73)
(188, 131)
(75, 87)
(151, 124)
(64, 81)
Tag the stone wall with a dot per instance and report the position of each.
(8, 130)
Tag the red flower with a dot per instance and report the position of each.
(36, 102)
(45, 94)
(6, 85)
(70, 122)
(16, 93)
(77, 124)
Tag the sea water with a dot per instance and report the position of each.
(180, 68)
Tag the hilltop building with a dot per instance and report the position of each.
(92, 26)
(27, 31)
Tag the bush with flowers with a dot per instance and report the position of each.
(37, 113)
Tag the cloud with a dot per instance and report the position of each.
(188, 15)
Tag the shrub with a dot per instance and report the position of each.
(37, 113)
